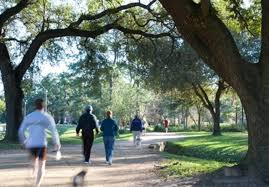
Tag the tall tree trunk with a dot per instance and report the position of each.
(236, 115)
(13, 95)
(13, 98)
(216, 124)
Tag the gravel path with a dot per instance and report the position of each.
(131, 166)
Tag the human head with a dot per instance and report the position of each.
(39, 104)
(136, 116)
(109, 114)
(88, 108)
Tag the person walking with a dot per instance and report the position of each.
(136, 129)
(87, 123)
(166, 124)
(109, 129)
(36, 123)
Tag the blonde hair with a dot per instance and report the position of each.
(109, 114)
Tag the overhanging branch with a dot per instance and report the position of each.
(111, 11)
(7, 14)
(50, 34)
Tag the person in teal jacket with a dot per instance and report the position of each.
(110, 130)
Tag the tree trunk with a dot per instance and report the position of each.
(216, 124)
(199, 120)
(13, 98)
(257, 157)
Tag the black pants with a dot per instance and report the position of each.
(87, 137)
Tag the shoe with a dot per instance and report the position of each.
(109, 163)
(88, 162)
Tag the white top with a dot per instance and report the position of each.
(36, 123)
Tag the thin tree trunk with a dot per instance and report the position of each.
(199, 121)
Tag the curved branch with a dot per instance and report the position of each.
(7, 14)
(50, 34)
(111, 11)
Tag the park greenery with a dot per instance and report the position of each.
(201, 63)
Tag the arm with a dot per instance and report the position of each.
(23, 127)
(79, 125)
(102, 126)
(54, 132)
(96, 124)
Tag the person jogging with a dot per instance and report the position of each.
(87, 123)
(36, 123)
(136, 129)
(109, 129)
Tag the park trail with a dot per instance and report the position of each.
(132, 166)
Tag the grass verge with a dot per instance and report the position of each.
(201, 153)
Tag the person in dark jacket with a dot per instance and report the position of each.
(109, 129)
(136, 129)
(87, 123)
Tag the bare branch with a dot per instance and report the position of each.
(7, 14)
(16, 40)
(110, 11)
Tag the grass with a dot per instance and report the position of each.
(230, 147)
(67, 136)
(184, 166)
(201, 153)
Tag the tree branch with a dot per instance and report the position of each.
(110, 11)
(264, 58)
(7, 14)
(205, 101)
(50, 34)
(212, 40)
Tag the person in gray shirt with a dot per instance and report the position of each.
(36, 123)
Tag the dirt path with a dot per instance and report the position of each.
(131, 166)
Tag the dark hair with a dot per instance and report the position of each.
(39, 104)
(109, 114)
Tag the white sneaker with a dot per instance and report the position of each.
(89, 163)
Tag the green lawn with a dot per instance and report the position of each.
(202, 153)
(185, 166)
(67, 136)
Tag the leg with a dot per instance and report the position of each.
(139, 138)
(85, 146)
(106, 147)
(40, 172)
(111, 148)
(134, 137)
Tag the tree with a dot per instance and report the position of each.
(34, 26)
(205, 30)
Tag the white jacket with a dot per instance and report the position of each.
(36, 123)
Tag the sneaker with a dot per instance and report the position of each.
(88, 162)
(109, 163)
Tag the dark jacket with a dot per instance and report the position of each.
(109, 127)
(87, 122)
(136, 125)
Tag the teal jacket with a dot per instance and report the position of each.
(109, 127)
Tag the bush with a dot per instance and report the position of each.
(232, 128)
(158, 128)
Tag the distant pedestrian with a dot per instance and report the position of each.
(87, 123)
(36, 123)
(166, 124)
(136, 129)
(109, 129)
